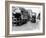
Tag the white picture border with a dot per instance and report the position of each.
(24, 32)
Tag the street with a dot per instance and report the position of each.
(26, 27)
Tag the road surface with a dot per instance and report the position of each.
(26, 27)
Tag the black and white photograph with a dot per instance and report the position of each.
(25, 18)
